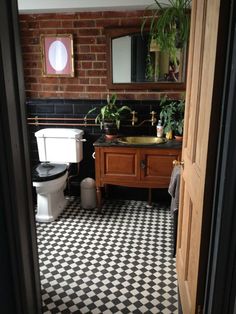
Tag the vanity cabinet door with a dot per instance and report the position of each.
(119, 165)
(157, 165)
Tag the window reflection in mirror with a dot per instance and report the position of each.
(134, 61)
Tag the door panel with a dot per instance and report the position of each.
(199, 95)
(194, 71)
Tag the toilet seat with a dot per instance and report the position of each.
(48, 171)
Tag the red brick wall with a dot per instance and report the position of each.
(90, 81)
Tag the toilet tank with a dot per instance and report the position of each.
(60, 145)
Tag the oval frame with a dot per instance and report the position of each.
(47, 69)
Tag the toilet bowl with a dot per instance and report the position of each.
(57, 148)
(50, 182)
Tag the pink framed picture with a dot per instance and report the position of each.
(57, 55)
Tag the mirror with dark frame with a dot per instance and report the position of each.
(134, 64)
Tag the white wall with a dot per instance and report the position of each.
(34, 6)
(121, 59)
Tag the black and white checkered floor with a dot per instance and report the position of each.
(119, 261)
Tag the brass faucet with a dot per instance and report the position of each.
(153, 119)
(134, 117)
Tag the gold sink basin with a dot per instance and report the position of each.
(141, 140)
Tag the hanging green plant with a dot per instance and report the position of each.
(149, 74)
(169, 25)
(152, 71)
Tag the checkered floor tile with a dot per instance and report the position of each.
(119, 261)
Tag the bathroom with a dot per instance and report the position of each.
(72, 97)
(50, 98)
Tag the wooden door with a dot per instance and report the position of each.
(198, 113)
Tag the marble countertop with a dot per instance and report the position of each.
(104, 142)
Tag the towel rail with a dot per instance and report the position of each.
(81, 122)
(36, 121)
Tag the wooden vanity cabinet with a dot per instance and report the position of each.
(134, 167)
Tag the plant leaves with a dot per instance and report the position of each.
(169, 24)
(123, 108)
(109, 112)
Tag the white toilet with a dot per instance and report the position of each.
(57, 148)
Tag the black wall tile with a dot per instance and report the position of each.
(45, 108)
(63, 109)
(77, 109)
(82, 107)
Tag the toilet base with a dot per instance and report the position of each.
(44, 214)
(50, 201)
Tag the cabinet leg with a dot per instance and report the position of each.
(106, 190)
(99, 199)
(149, 197)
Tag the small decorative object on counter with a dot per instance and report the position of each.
(169, 135)
(159, 129)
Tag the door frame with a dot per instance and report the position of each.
(19, 235)
(19, 271)
(220, 296)
(223, 10)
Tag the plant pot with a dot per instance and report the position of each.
(179, 138)
(154, 46)
(110, 129)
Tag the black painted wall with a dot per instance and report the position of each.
(60, 108)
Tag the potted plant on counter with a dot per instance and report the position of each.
(109, 116)
(172, 116)
(167, 116)
(179, 120)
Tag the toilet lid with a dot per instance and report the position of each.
(48, 171)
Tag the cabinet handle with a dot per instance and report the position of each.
(143, 164)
